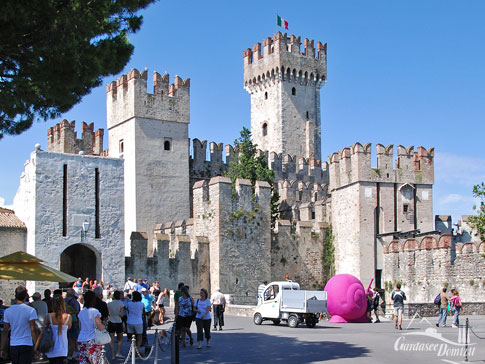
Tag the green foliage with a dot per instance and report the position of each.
(53, 52)
(252, 165)
(478, 221)
(472, 282)
(328, 257)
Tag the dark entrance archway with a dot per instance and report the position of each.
(79, 261)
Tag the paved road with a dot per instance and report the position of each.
(243, 342)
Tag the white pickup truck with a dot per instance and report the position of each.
(285, 301)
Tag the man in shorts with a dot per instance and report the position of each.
(398, 297)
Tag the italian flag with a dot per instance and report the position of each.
(281, 22)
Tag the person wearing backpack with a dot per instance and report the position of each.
(398, 298)
(443, 308)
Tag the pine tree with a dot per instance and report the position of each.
(53, 52)
(252, 165)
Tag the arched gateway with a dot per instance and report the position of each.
(80, 260)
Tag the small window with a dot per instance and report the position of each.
(265, 129)
(313, 214)
(307, 115)
(405, 208)
(167, 145)
(293, 91)
(300, 195)
(266, 95)
(121, 146)
(315, 196)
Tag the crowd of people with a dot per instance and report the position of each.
(72, 317)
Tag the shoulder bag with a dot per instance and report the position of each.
(46, 341)
(101, 337)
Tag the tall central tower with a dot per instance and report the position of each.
(284, 84)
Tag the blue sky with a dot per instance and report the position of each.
(399, 72)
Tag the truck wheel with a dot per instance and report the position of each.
(257, 319)
(293, 321)
(276, 322)
(310, 321)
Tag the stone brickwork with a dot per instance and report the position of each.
(427, 264)
(62, 207)
(298, 252)
(150, 132)
(431, 310)
(284, 84)
(62, 138)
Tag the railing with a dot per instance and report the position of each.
(164, 340)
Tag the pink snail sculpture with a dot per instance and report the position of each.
(346, 299)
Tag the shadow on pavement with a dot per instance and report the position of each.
(258, 348)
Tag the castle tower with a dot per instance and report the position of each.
(284, 85)
(371, 205)
(150, 132)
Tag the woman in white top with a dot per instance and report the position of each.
(89, 319)
(202, 307)
(134, 321)
(162, 298)
(60, 322)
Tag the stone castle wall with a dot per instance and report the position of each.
(427, 264)
(231, 227)
(368, 202)
(298, 251)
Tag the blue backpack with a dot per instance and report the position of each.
(437, 299)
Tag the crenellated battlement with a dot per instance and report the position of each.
(285, 166)
(62, 138)
(299, 191)
(280, 59)
(177, 258)
(427, 264)
(353, 164)
(128, 97)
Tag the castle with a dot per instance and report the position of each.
(147, 207)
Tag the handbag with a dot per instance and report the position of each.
(46, 342)
(101, 337)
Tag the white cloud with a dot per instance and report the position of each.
(455, 205)
(459, 169)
